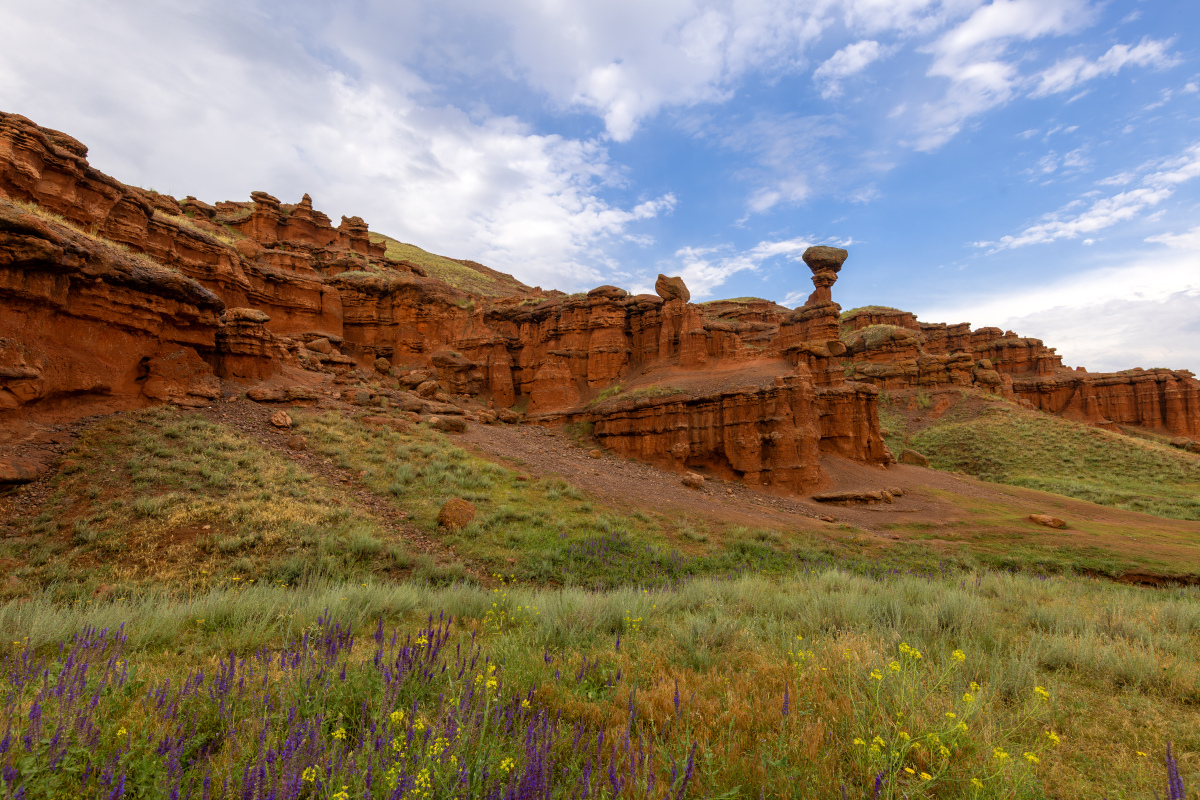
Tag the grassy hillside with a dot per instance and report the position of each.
(202, 610)
(1008, 444)
(474, 278)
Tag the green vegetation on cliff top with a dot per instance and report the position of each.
(476, 279)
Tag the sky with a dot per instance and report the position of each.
(1032, 165)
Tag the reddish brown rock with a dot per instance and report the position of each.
(281, 419)
(455, 513)
(1047, 520)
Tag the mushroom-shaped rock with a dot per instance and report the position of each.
(821, 258)
(672, 288)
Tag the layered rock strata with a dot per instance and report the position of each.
(891, 349)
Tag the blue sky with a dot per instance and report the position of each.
(1028, 164)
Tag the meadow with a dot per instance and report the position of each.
(302, 646)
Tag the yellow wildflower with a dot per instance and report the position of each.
(951, 715)
(999, 754)
(876, 674)
(974, 686)
(878, 742)
(858, 741)
(959, 656)
(894, 666)
(978, 784)
(904, 737)
(310, 774)
(1140, 753)
(344, 794)
(340, 734)
(506, 765)
(910, 770)
(1032, 758)
(968, 697)
(1053, 737)
(925, 776)
(1041, 692)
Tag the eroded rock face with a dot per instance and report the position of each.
(80, 317)
(892, 350)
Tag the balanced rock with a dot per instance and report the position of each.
(455, 514)
(672, 288)
(825, 259)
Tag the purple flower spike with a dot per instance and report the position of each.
(785, 699)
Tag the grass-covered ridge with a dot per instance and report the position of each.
(482, 281)
(167, 498)
(1008, 444)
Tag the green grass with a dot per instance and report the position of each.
(1039, 451)
(983, 665)
(163, 496)
(845, 315)
(489, 283)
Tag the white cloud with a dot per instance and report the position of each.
(969, 57)
(1069, 73)
(850, 60)
(218, 102)
(1106, 319)
(625, 60)
(1104, 212)
(704, 269)
(1180, 241)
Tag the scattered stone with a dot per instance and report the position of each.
(322, 346)
(455, 514)
(849, 498)
(896, 491)
(19, 470)
(693, 480)
(1047, 520)
(909, 456)
(434, 422)
(827, 518)
(887, 496)
(281, 419)
(382, 365)
(427, 389)
(487, 417)
(359, 397)
(297, 443)
(595, 454)
(451, 424)
(508, 415)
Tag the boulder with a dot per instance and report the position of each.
(672, 288)
(297, 443)
(508, 415)
(693, 480)
(427, 389)
(455, 514)
(1047, 520)
(323, 346)
(449, 424)
(908, 456)
(595, 453)
(382, 365)
(19, 470)
(281, 419)
(849, 498)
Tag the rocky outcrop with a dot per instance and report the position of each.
(82, 317)
(891, 350)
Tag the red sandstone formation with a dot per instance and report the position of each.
(137, 297)
(892, 350)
